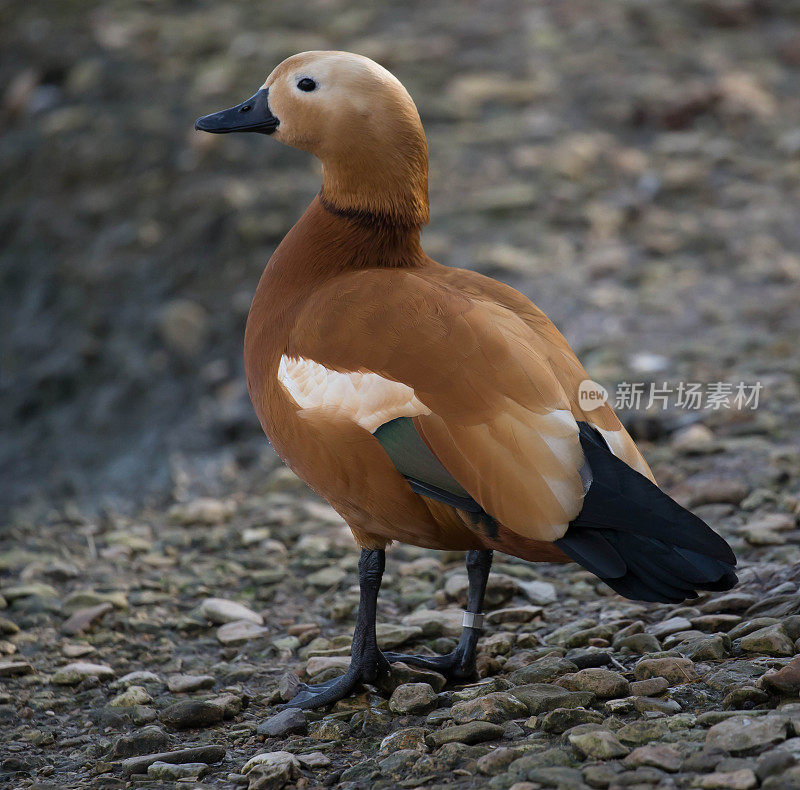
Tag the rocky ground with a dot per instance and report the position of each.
(633, 166)
(139, 652)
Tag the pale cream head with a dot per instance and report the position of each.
(361, 123)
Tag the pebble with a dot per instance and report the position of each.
(185, 683)
(743, 779)
(78, 622)
(240, 631)
(786, 680)
(144, 741)
(650, 687)
(674, 670)
(603, 683)
(662, 756)
(15, 668)
(741, 734)
(413, 698)
(199, 754)
(597, 744)
(206, 511)
(771, 641)
(290, 720)
(473, 732)
(496, 707)
(220, 611)
(172, 772)
(133, 695)
(191, 713)
(74, 673)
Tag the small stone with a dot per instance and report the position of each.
(562, 719)
(785, 681)
(207, 511)
(670, 626)
(772, 641)
(14, 668)
(183, 325)
(404, 673)
(220, 611)
(392, 636)
(598, 744)
(72, 674)
(172, 772)
(709, 648)
(496, 761)
(538, 592)
(324, 578)
(473, 732)
(84, 618)
(143, 741)
(414, 698)
(314, 760)
(407, 738)
(134, 695)
(496, 707)
(646, 704)
(514, 614)
(182, 683)
(190, 713)
(731, 602)
(542, 671)
(658, 755)
(774, 762)
(271, 770)
(639, 644)
(715, 622)
(288, 721)
(328, 730)
(139, 678)
(743, 779)
(674, 670)
(197, 754)
(604, 683)
(32, 590)
(741, 734)
(436, 622)
(744, 697)
(543, 697)
(649, 688)
(240, 631)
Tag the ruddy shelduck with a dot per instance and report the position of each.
(428, 404)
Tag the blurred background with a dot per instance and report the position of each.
(632, 165)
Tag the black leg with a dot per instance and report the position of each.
(366, 661)
(460, 664)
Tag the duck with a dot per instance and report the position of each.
(432, 405)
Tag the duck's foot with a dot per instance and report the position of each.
(455, 666)
(366, 669)
(367, 663)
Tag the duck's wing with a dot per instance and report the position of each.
(560, 357)
(491, 411)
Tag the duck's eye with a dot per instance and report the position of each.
(306, 84)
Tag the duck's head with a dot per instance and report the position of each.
(356, 117)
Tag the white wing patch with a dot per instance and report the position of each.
(365, 398)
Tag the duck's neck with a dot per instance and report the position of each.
(328, 241)
(385, 181)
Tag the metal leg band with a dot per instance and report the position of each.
(472, 620)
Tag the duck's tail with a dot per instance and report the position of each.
(640, 542)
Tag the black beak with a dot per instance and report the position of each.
(252, 115)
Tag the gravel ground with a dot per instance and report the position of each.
(632, 166)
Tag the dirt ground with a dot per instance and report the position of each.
(634, 167)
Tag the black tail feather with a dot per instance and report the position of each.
(640, 542)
